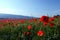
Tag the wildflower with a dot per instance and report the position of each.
(35, 19)
(51, 24)
(26, 33)
(51, 19)
(45, 23)
(29, 27)
(55, 17)
(8, 21)
(40, 33)
(44, 19)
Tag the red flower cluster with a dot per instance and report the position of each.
(22, 21)
(40, 33)
(46, 20)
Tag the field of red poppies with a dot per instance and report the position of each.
(44, 28)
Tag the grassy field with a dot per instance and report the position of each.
(44, 28)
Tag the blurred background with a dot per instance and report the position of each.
(35, 8)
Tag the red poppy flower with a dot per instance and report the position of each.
(29, 27)
(44, 19)
(40, 33)
(35, 19)
(26, 33)
(55, 17)
(45, 23)
(51, 19)
(51, 24)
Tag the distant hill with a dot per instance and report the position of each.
(14, 16)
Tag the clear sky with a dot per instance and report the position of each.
(34, 8)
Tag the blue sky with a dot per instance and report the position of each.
(34, 8)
